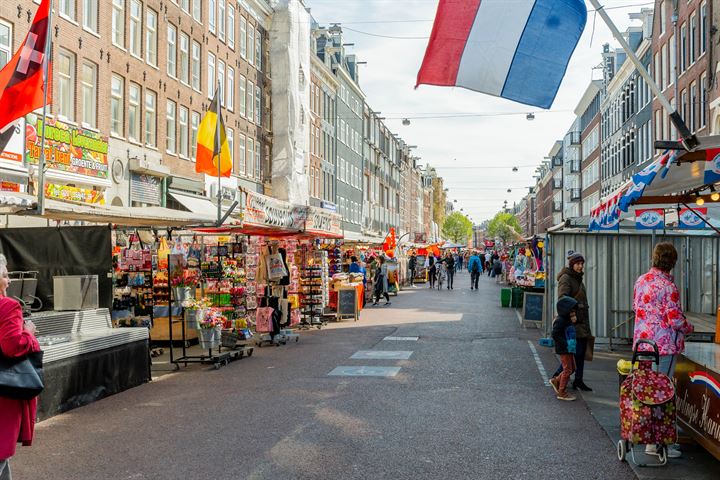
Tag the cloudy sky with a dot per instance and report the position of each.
(481, 138)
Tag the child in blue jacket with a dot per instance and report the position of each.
(563, 334)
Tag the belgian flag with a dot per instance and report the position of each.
(209, 150)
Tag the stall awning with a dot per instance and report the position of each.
(195, 204)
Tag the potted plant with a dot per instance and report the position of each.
(195, 311)
(184, 286)
(211, 328)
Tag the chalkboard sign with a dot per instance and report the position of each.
(533, 307)
(347, 303)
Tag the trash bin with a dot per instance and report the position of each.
(505, 297)
(517, 297)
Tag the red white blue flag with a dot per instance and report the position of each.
(514, 49)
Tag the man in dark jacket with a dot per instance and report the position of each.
(412, 264)
(563, 334)
(450, 266)
(570, 284)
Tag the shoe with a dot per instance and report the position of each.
(555, 384)
(672, 451)
(580, 385)
(566, 397)
(387, 303)
(375, 304)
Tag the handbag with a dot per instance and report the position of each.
(590, 350)
(263, 319)
(276, 267)
(21, 378)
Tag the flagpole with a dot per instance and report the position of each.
(41, 159)
(688, 140)
(219, 157)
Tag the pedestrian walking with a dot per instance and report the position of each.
(449, 262)
(563, 335)
(475, 269)
(458, 262)
(412, 264)
(381, 282)
(570, 284)
(17, 339)
(441, 273)
(431, 266)
(659, 316)
(488, 261)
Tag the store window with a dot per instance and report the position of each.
(90, 14)
(134, 112)
(89, 94)
(5, 43)
(118, 23)
(231, 26)
(230, 89)
(117, 105)
(184, 58)
(150, 118)
(194, 124)
(65, 69)
(242, 96)
(243, 37)
(196, 62)
(172, 50)
(135, 28)
(170, 127)
(250, 101)
(151, 37)
(211, 75)
(183, 115)
(66, 8)
(241, 155)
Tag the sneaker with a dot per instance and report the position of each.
(580, 385)
(555, 384)
(672, 451)
(375, 304)
(387, 303)
(566, 397)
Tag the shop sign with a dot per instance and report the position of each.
(650, 219)
(698, 403)
(321, 221)
(328, 206)
(145, 188)
(11, 141)
(9, 187)
(74, 194)
(687, 219)
(67, 148)
(264, 211)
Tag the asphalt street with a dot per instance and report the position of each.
(468, 403)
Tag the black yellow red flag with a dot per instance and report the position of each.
(209, 150)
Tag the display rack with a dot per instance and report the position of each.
(313, 288)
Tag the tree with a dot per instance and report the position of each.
(457, 227)
(504, 226)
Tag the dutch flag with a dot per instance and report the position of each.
(514, 49)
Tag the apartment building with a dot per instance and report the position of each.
(588, 113)
(134, 78)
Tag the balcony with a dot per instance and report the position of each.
(573, 139)
(575, 166)
(557, 160)
(575, 194)
(557, 183)
(557, 206)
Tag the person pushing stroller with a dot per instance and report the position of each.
(441, 274)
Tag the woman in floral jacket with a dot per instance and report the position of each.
(659, 316)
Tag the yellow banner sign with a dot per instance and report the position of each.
(74, 194)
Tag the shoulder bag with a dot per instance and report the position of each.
(21, 378)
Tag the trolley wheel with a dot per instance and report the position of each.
(250, 352)
(621, 450)
(216, 366)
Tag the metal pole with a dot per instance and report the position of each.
(687, 138)
(41, 159)
(218, 139)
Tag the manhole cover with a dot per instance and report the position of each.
(364, 371)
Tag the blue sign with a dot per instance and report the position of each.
(650, 219)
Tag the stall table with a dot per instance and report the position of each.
(360, 295)
(704, 327)
(698, 394)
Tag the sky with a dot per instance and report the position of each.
(481, 138)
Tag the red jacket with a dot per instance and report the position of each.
(17, 417)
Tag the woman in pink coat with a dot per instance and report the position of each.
(17, 417)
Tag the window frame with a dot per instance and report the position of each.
(212, 15)
(220, 20)
(151, 37)
(212, 80)
(172, 50)
(230, 89)
(243, 37)
(8, 48)
(242, 159)
(117, 14)
(230, 29)
(119, 98)
(250, 102)
(170, 135)
(91, 89)
(183, 131)
(184, 71)
(150, 117)
(138, 22)
(67, 15)
(90, 26)
(196, 66)
(242, 96)
(68, 77)
(197, 10)
(138, 124)
(194, 126)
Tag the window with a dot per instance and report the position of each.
(66, 8)
(184, 57)
(250, 101)
(117, 105)
(150, 118)
(170, 130)
(221, 81)
(683, 47)
(196, 65)
(194, 124)
(250, 151)
(151, 38)
(673, 70)
(197, 10)
(211, 14)
(221, 19)
(258, 105)
(230, 135)
(172, 50)
(183, 131)
(703, 100)
(185, 5)
(693, 106)
(693, 38)
(703, 27)
(135, 28)
(258, 50)
(89, 94)
(663, 67)
(242, 98)
(231, 26)
(66, 84)
(230, 90)
(241, 156)
(258, 161)
(211, 75)
(250, 46)
(5, 43)
(134, 112)
(663, 19)
(118, 23)
(243, 37)
(90, 14)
